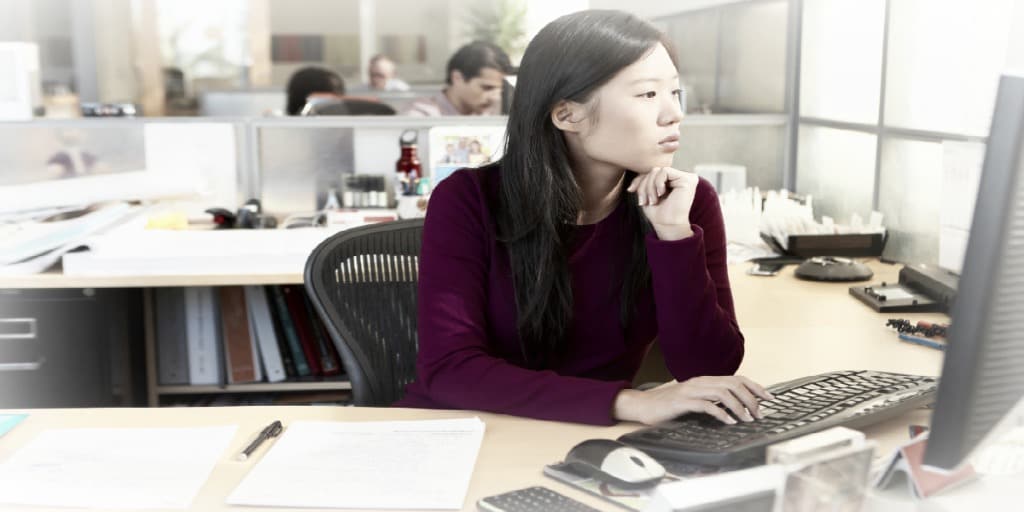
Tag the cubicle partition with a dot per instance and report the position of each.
(291, 163)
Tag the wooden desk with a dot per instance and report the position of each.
(793, 328)
(513, 453)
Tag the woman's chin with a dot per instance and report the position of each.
(648, 165)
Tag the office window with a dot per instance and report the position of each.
(758, 148)
(910, 197)
(206, 41)
(752, 77)
(944, 61)
(837, 167)
(695, 39)
(732, 58)
(841, 59)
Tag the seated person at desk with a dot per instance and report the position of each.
(546, 276)
(313, 83)
(475, 76)
(382, 75)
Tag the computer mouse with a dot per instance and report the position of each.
(616, 463)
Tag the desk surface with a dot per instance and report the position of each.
(793, 328)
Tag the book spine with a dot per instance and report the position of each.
(237, 338)
(293, 297)
(291, 337)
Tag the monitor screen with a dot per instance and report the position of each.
(983, 372)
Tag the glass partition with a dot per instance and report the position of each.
(291, 163)
(43, 151)
(732, 58)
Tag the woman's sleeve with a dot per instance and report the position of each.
(455, 364)
(697, 328)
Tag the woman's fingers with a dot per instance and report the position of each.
(633, 184)
(717, 412)
(756, 388)
(728, 399)
(656, 185)
(637, 186)
(746, 397)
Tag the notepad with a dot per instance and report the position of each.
(397, 465)
(9, 421)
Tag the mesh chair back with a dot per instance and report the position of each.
(362, 283)
(352, 107)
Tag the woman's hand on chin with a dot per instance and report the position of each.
(666, 195)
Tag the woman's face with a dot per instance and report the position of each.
(634, 118)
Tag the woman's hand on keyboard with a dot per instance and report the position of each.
(700, 394)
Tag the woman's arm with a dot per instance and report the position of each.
(697, 327)
(455, 361)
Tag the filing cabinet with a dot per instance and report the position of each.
(68, 347)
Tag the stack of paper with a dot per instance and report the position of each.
(29, 247)
(113, 468)
(401, 464)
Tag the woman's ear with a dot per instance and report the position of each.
(566, 116)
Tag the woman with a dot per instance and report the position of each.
(546, 276)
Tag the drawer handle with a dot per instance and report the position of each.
(22, 367)
(28, 333)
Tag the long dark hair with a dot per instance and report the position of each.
(540, 198)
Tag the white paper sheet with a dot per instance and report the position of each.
(113, 468)
(167, 252)
(398, 465)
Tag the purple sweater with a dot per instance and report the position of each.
(469, 354)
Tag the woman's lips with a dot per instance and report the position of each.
(670, 143)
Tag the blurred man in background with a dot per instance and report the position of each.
(382, 75)
(475, 75)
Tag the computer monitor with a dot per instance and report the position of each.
(983, 372)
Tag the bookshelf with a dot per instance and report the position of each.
(259, 387)
(154, 391)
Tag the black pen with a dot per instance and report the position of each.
(271, 430)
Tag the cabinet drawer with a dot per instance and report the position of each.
(52, 350)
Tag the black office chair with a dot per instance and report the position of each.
(362, 282)
(350, 107)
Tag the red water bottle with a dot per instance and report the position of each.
(408, 167)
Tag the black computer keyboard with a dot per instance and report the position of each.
(802, 406)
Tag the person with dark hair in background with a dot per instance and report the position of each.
(546, 276)
(475, 75)
(312, 83)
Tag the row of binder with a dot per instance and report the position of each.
(240, 334)
(307, 397)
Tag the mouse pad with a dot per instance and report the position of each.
(629, 499)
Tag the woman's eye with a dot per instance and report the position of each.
(678, 92)
(649, 94)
